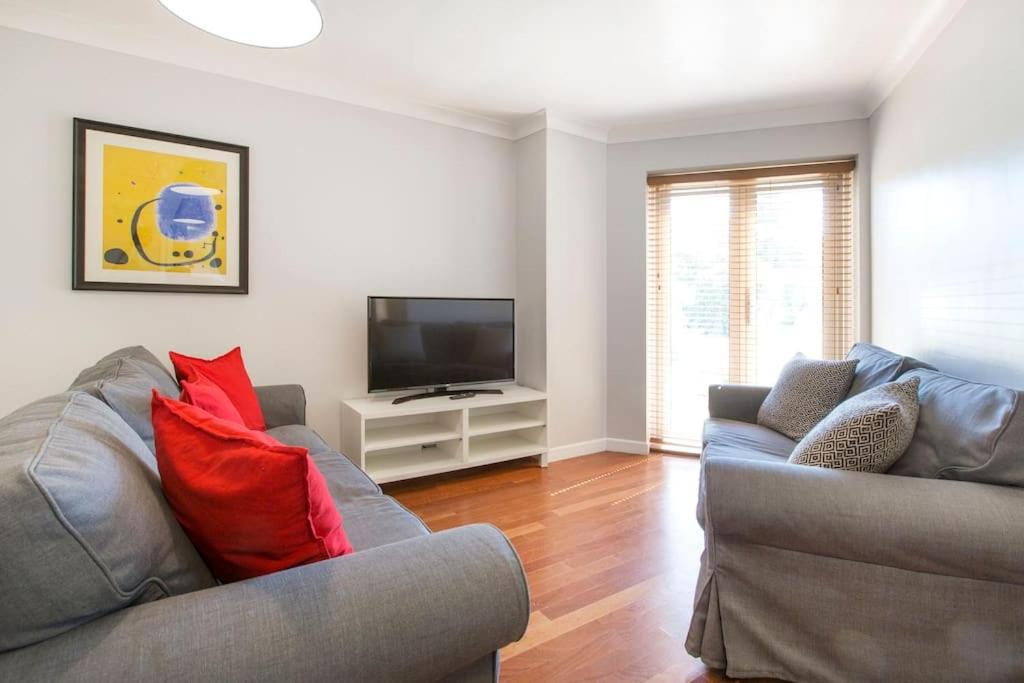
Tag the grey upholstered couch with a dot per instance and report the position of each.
(99, 583)
(814, 574)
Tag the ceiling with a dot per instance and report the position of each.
(618, 69)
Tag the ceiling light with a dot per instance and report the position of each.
(263, 23)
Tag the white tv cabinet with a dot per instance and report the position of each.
(433, 435)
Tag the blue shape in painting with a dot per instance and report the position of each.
(185, 211)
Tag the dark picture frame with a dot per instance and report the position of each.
(114, 216)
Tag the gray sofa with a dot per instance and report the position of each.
(813, 574)
(99, 583)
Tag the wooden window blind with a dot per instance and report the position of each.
(745, 267)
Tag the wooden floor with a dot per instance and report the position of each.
(611, 549)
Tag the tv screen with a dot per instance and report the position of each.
(418, 342)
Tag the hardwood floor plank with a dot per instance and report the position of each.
(611, 549)
(516, 532)
(595, 588)
(552, 628)
(543, 584)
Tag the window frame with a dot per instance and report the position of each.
(840, 282)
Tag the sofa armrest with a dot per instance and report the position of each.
(282, 404)
(939, 526)
(736, 401)
(415, 610)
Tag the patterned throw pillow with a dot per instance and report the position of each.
(866, 433)
(807, 391)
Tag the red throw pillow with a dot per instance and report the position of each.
(202, 393)
(227, 372)
(251, 505)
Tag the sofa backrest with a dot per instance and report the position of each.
(84, 525)
(125, 380)
(967, 431)
(877, 366)
(157, 370)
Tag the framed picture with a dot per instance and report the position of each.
(155, 212)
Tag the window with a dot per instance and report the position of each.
(744, 268)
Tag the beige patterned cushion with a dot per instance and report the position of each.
(807, 391)
(866, 433)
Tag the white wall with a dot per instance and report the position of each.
(531, 260)
(345, 202)
(576, 282)
(348, 201)
(947, 208)
(561, 280)
(628, 166)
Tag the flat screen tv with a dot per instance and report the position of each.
(424, 343)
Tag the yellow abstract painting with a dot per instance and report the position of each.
(158, 212)
(163, 212)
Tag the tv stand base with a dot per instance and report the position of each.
(444, 392)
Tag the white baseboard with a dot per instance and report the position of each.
(628, 446)
(575, 450)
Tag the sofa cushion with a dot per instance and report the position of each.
(161, 375)
(299, 435)
(228, 372)
(741, 440)
(966, 431)
(806, 391)
(126, 385)
(876, 366)
(379, 520)
(251, 505)
(344, 479)
(84, 526)
(865, 433)
(206, 395)
(738, 438)
(371, 518)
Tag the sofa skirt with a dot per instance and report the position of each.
(762, 611)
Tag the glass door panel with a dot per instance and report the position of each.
(786, 296)
(698, 346)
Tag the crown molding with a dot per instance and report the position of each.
(31, 18)
(918, 40)
(734, 123)
(546, 120)
(576, 127)
(528, 125)
(77, 29)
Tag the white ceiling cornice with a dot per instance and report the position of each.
(528, 125)
(545, 119)
(42, 21)
(917, 41)
(571, 126)
(84, 28)
(736, 122)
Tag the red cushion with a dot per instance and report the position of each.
(250, 505)
(227, 372)
(203, 393)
